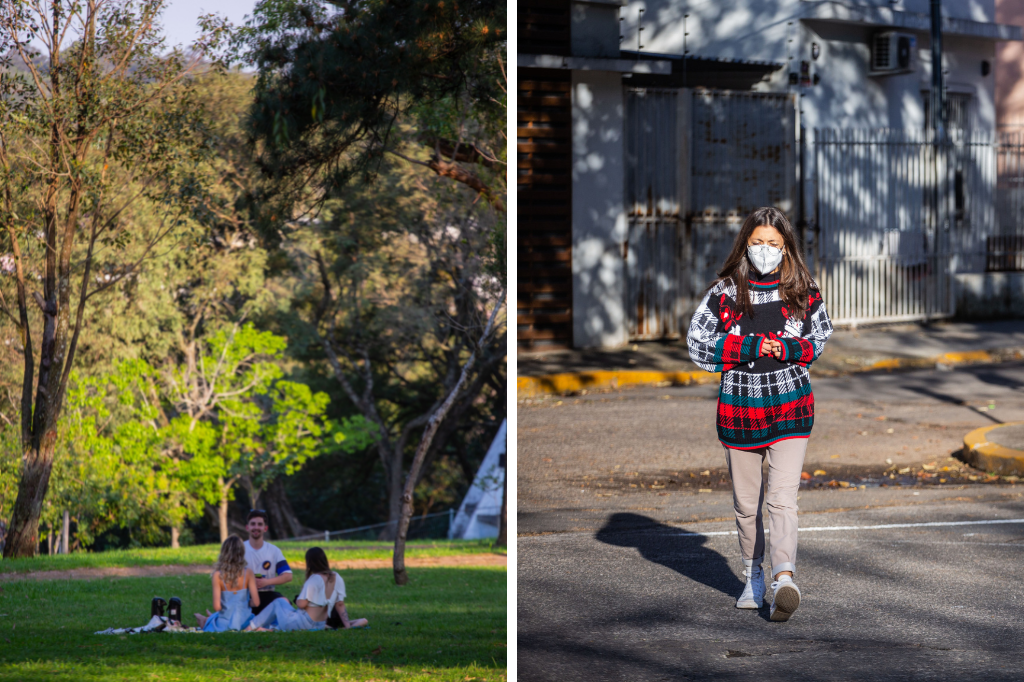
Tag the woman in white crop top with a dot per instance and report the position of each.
(322, 593)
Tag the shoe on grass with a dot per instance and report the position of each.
(753, 591)
(174, 610)
(785, 598)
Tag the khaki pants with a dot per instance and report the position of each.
(785, 462)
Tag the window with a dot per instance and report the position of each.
(959, 110)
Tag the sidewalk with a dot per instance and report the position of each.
(889, 347)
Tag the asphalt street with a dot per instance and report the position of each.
(630, 582)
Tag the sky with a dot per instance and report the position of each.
(180, 16)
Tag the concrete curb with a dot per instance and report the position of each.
(573, 382)
(987, 456)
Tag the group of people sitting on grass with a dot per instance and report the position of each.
(243, 588)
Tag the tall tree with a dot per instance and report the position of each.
(392, 288)
(95, 119)
(343, 84)
(341, 88)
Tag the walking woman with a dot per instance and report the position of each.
(761, 324)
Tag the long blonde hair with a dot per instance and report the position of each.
(231, 562)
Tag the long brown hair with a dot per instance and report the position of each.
(231, 563)
(795, 280)
(316, 563)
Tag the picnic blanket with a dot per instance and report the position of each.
(155, 624)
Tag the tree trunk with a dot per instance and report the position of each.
(284, 523)
(222, 511)
(23, 535)
(65, 532)
(175, 534)
(401, 576)
(390, 532)
(433, 424)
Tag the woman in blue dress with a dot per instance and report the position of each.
(234, 588)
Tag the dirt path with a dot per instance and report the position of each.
(161, 571)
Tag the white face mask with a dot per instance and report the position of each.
(765, 258)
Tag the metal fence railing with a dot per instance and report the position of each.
(898, 214)
(420, 527)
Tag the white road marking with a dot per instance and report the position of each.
(884, 526)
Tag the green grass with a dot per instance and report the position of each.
(446, 624)
(207, 554)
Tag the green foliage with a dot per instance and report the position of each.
(447, 624)
(337, 81)
(401, 298)
(112, 469)
(140, 455)
(185, 285)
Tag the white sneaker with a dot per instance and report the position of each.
(785, 598)
(753, 591)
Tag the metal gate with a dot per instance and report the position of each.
(723, 154)
(742, 158)
(652, 207)
(896, 216)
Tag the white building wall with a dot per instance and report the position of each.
(598, 210)
(779, 31)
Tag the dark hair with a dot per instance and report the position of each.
(795, 283)
(316, 562)
(257, 513)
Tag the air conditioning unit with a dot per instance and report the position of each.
(893, 53)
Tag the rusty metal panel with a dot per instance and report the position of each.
(651, 250)
(742, 153)
(739, 154)
(742, 158)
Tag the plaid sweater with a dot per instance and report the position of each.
(762, 400)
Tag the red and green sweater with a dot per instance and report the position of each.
(762, 400)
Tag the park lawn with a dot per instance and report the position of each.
(337, 550)
(446, 624)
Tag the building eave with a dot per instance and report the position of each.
(693, 71)
(549, 61)
(885, 17)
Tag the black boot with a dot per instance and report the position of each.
(174, 610)
(158, 607)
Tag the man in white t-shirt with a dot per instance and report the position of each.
(265, 560)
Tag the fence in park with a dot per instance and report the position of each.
(421, 527)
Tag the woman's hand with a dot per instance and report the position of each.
(771, 347)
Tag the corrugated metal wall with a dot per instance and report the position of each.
(544, 216)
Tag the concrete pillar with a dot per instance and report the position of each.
(598, 210)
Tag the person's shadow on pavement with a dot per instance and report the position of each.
(670, 547)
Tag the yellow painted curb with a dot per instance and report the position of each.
(921, 363)
(987, 456)
(572, 382)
